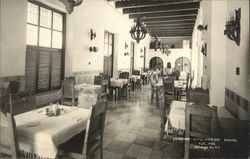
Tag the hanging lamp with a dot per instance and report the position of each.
(139, 31)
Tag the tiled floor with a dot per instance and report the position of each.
(132, 129)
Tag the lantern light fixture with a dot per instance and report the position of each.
(139, 31)
(233, 26)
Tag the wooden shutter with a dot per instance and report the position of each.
(44, 70)
(31, 69)
(56, 69)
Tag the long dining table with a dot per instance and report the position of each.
(40, 135)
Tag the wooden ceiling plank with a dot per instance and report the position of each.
(167, 19)
(164, 21)
(171, 22)
(162, 8)
(164, 14)
(169, 25)
(138, 3)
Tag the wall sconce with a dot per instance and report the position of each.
(92, 34)
(204, 49)
(93, 49)
(126, 53)
(233, 27)
(126, 45)
(201, 27)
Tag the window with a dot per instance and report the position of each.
(44, 55)
(108, 43)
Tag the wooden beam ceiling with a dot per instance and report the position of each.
(183, 18)
(163, 17)
(145, 3)
(162, 8)
(164, 14)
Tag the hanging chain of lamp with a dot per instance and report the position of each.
(139, 31)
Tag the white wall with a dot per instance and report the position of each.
(99, 16)
(238, 56)
(218, 53)
(13, 37)
(223, 54)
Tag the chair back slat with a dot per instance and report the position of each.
(95, 127)
(8, 139)
(124, 75)
(68, 90)
(200, 122)
(199, 95)
(98, 80)
(135, 72)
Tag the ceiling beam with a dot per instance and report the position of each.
(168, 21)
(164, 14)
(171, 22)
(169, 30)
(162, 8)
(145, 3)
(171, 34)
(183, 18)
(169, 27)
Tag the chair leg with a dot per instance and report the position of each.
(101, 153)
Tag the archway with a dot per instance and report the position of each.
(183, 64)
(156, 62)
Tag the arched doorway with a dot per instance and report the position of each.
(156, 62)
(183, 64)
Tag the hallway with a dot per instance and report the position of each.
(132, 129)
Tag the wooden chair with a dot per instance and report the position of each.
(8, 140)
(126, 90)
(136, 72)
(99, 80)
(68, 92)
(189, 89)
(200, 123)
(168, 87)
(163, 117)
(199, 95)
(94, 135)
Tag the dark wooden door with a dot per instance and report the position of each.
(108, 53)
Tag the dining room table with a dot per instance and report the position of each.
(39, 134)
(83, 87)
(117, 85)
(179, 85)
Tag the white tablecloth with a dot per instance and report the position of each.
(135, 77)
(118, 82)
(40, 135)
(85, 87)
(178, 84)
(177, 114)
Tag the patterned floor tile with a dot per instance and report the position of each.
(118, 146)
(145, 141)
(140, 152)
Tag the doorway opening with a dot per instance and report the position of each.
(156, 62)
(108, 62)
(183, 64)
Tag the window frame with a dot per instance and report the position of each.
(51, 29)
(50, 49)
